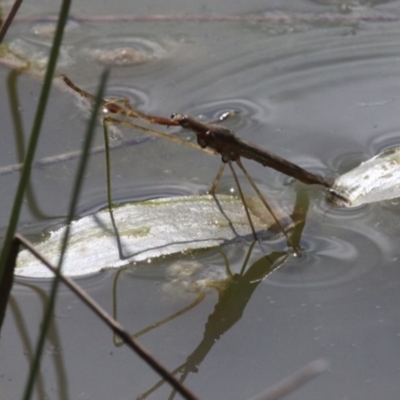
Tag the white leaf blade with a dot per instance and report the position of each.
(146, 230)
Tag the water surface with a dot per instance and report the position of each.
(323, 93)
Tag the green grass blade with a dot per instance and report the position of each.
(9, 19)
(71, 212)
(14, 217)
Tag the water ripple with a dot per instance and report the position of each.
(124, 51)
(331, 259)
(248, 114)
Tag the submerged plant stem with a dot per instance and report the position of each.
(25, 175)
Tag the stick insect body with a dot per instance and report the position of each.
(213, 139)
(231, 148)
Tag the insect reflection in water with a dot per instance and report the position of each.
(234, 291)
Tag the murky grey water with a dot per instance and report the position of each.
(322, 92)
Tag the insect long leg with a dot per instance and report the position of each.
(212, 192)
(156, 133)
(121, 106)
(243, 199)
(77, 89)
(132, 112)
(111, 120)
(217, 179)
(267, 206)
(108, 162)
